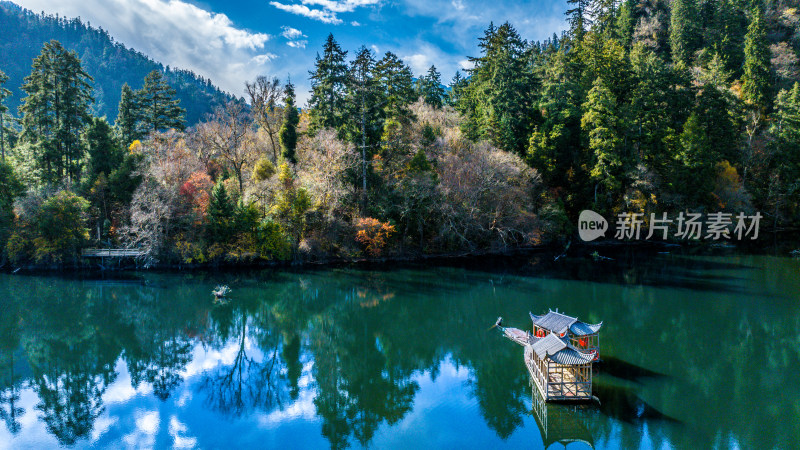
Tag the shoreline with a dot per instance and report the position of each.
(572, 249)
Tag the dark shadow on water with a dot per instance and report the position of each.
(627, 371)
(623, 404)
(628, 266)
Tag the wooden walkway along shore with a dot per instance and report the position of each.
(111, 253)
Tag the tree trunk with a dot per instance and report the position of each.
(2, 138)
(364, 162)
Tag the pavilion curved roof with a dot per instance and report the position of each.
(559, 323)
(559, 351)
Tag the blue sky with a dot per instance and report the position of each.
(231, 42)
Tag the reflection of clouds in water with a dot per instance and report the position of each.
(31, 428)
(306, 378)
(184, 399)
(302, 408)
(204, 359)
(147, 424)
(122, 390)
(101, 425)
(178, 432)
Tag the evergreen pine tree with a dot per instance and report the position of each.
(785, 126)
(684, 31)
(578, 18)
(128, 116)
(288, 132)
(396, 81)
(220, 214)
(602, 124)
(457, 85)
(4, 93)
(363, 105)
(626, 22)
(728, 32)
(604, 16)
(501, 89)
(430, 88)
(328, 85)
(785, 130)
(755, 80)
(654, 110)
(104, 154)
(159, 108)
(551, 147)
(54, 113)
(693, 178)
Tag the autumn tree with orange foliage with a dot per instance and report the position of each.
(373, 234)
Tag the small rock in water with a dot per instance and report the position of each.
(221, 290)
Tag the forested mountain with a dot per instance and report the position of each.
(109, 63)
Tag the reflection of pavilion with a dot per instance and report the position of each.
(559, 423)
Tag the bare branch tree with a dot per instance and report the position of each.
(229, 136)
(264, 96)
(151, 214)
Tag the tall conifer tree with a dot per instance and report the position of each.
(288, 132)
(160, 110)
(128, 116)
(755, 80)
(684, 31)
(54, 113)
(328, 85)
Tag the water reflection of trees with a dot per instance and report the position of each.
(253, 381)
(10, 379)
(66, 342)
(356, 390)
(368, 337)
(158, 348)
(367, 347)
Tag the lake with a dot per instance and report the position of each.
(698, 352)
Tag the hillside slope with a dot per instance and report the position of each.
(110, 63)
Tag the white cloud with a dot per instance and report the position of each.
(340, 6)
(264, 58)
(466, 64)
(328, 12)
(175, 33)
(294, 35)
(420, 55)
(323, 16)
(355, 24)
(419, 62)
(291, 33)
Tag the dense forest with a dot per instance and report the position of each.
(110, 63)
(641, 106)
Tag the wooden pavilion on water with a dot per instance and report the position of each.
(559, 354)
(559, 370)
(581, 335)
